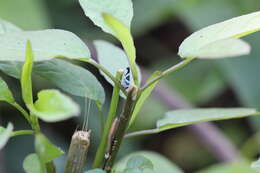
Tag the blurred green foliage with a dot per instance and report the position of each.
(201, 83)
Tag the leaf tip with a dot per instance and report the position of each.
(29, 51)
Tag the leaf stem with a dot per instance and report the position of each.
(23, 112)
(111, 116)
(22, 132)
(168, 71)
(106, 72)
(121, 128)
(36, 125)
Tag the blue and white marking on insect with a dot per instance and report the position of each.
(126, 81)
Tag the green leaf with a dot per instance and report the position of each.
(134, 170)
(26, 79)
(225, 48)
(215, 38)
(112, 58)
(81, 82)
(32, 164)
(5, 134)
(144, 95)
(114, 17)
(45, 149)
(236, 167)
(180, 118)
(47, 44)
(5, 93)
(6, 27)
(160, 163)
(2, 129)
(138, 163)
(123, 34)
(53, 106)
(121, 9)
(95, 171)
(256, 165)
(11, 68)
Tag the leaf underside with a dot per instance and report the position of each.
(197, 44)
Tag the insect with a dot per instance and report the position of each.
(126, 81)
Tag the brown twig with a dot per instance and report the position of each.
(76, 159)
(124, 119)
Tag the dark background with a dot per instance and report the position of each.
(159, 26)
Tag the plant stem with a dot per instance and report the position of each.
(168, 71)
(110, 118)
(50, 167)
(78, 152)
(24, 113)
(32, 119)
(35, 123)
(121, 128)
(106, 72)
(22, 132)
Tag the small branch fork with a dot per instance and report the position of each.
(169, 71)
(112, 137)
(110, 118)
(124, 119)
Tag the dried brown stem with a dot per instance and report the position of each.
(76, 160)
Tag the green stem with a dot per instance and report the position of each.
(24, 113)
(168, 71)
(111, 116)
(121, 128)
(22, 132)
(106, 72)
(33, 119)
(50, 167)
(35, 122)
